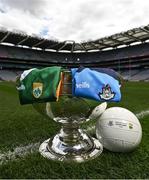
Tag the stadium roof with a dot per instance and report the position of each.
(130, 37)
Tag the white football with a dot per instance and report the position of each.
(119, 130)
(98, 110)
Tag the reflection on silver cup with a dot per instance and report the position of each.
(71, 143)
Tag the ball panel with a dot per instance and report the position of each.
(120, 113)
(118, 145)
(119, 130)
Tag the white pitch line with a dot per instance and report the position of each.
(142, 114)
(18, 152)
(21, 151)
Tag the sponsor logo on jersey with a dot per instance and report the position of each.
(83, 85)
(106, 93)
(37, 89)
(21, 88)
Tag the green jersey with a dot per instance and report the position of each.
(39, 85)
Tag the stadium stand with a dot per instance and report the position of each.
(127, 74)
(132, 61)
(134, 35)
(7, 75)
(141, 76)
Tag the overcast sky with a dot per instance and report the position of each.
(78, 20)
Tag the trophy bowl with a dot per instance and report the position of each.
(71, 143)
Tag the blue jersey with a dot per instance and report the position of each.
(101, 84)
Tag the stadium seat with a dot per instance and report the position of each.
(7, 75)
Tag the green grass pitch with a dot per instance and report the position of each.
(22, 125)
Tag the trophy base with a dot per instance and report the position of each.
(62, 152)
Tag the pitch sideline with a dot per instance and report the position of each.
(142, 114)
(21, 151)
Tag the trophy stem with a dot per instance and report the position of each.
(71, 144)
(70, 134)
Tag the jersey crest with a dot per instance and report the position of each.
(37, 89)
(106, 93)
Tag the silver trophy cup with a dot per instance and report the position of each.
(71, 143)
